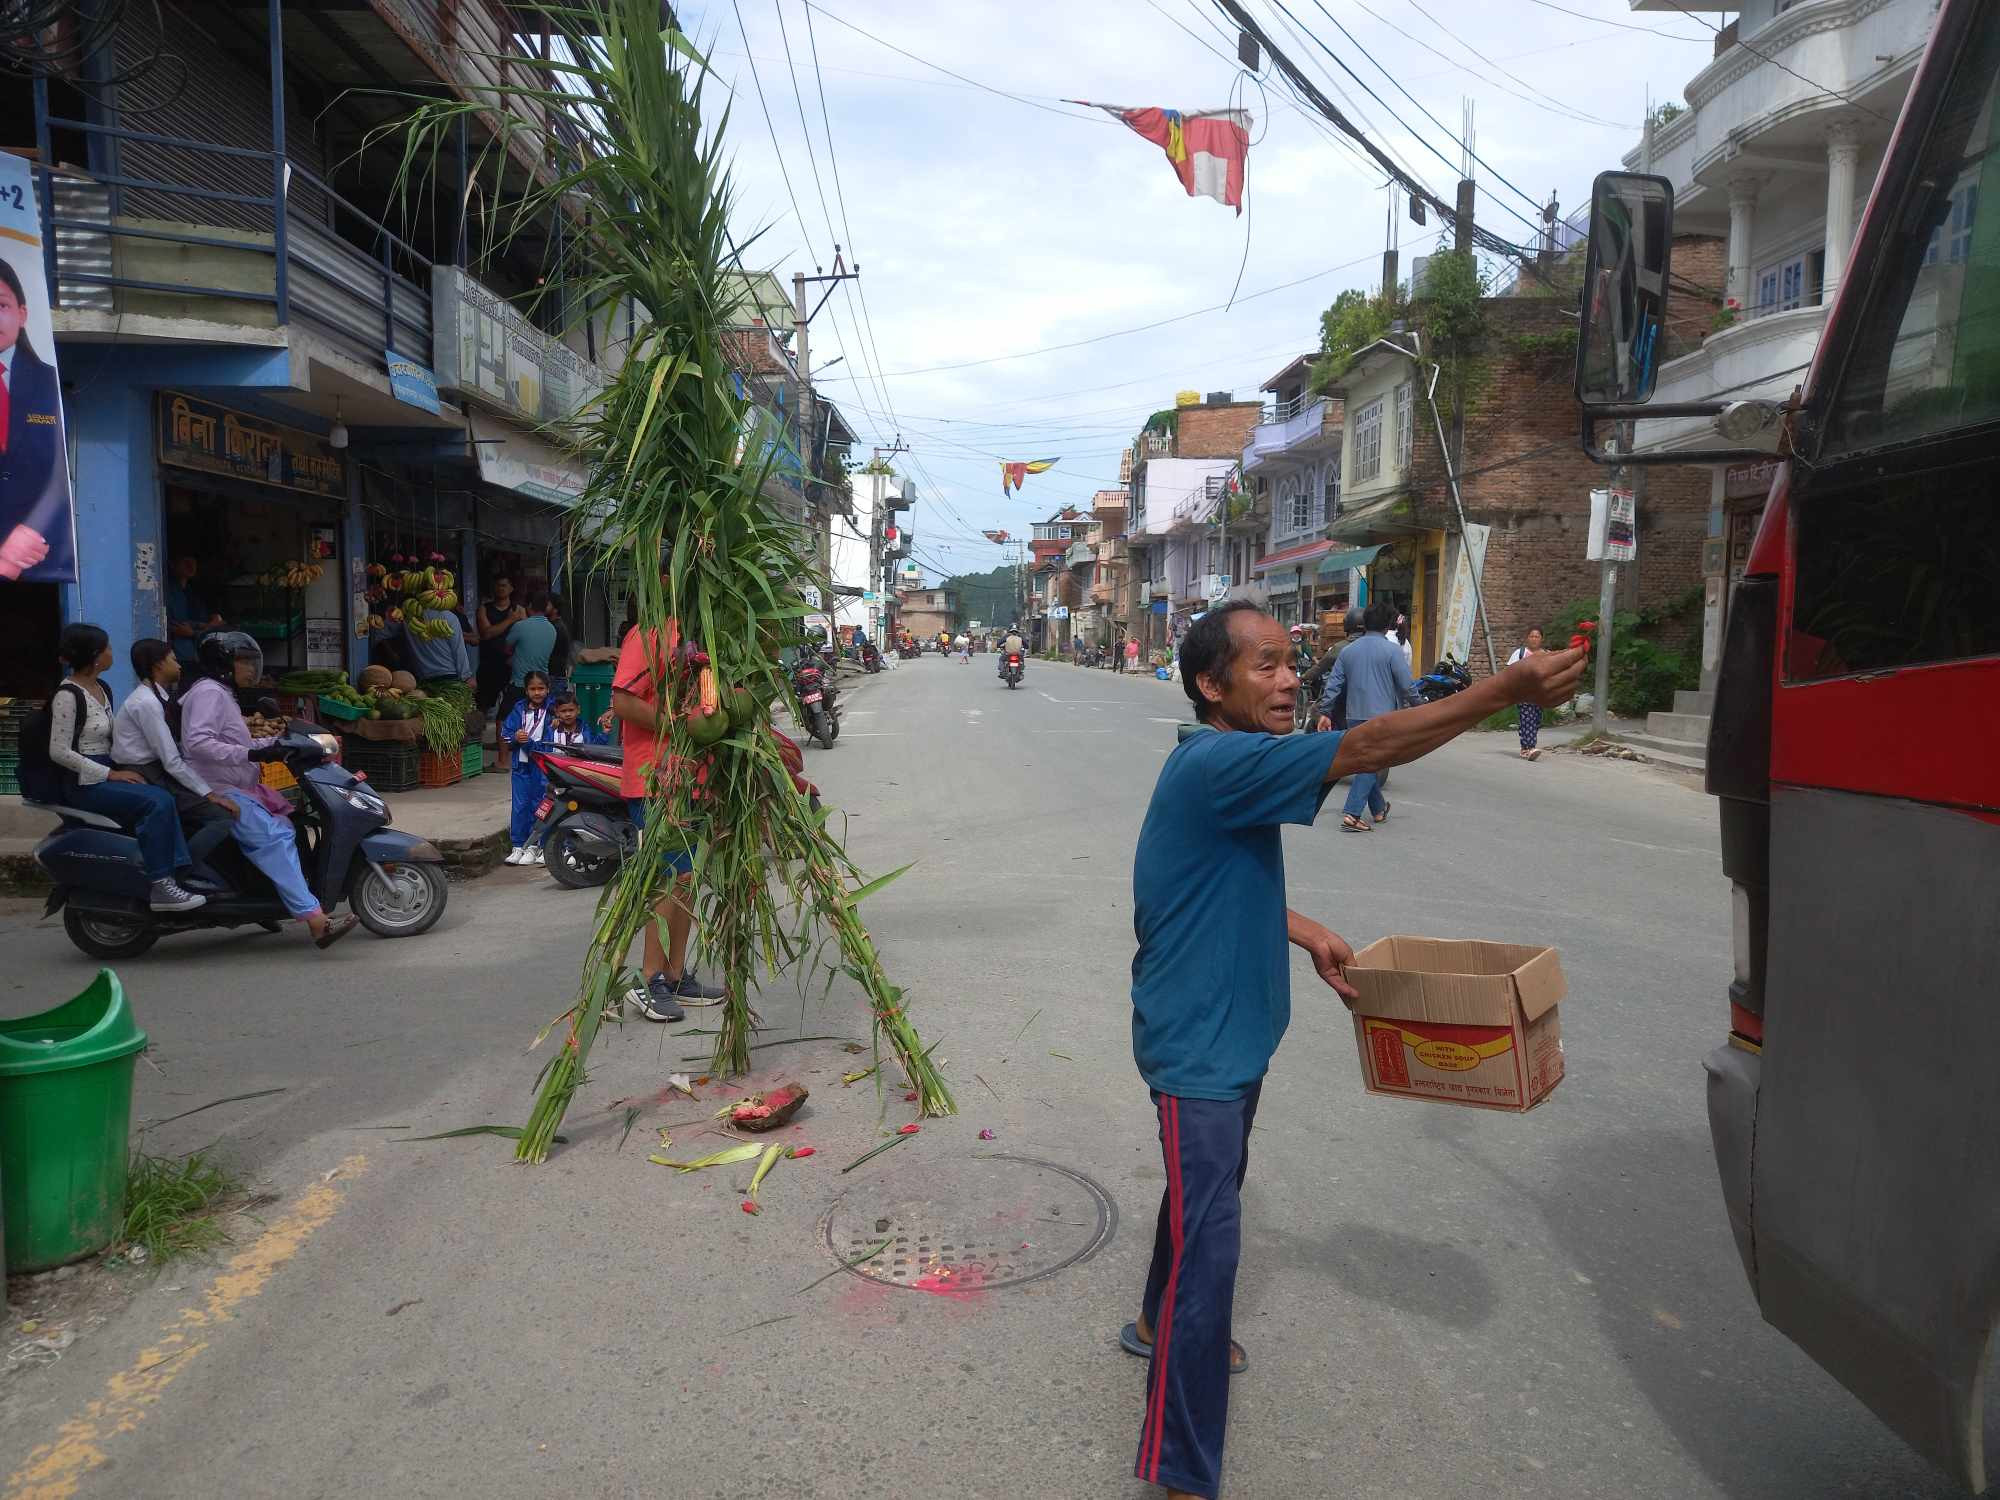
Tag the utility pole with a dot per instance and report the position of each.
(1389, 252)
(808, 428)
(1623, 476)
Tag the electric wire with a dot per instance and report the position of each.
(1554, 104)
(1783, 68)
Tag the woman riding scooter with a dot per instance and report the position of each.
(216, 744)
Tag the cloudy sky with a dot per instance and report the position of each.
(994, 227)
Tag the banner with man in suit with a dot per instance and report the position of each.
(37, 518)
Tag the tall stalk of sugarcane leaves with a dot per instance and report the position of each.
(676, 463)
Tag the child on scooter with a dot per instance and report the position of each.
(529, 725)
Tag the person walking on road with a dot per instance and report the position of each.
(1211, 983)
(1369, 678)
(1531, 713)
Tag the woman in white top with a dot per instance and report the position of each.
(1531, 713)
(80, 740)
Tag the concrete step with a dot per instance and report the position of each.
(1678, 726)
(1687, 701)
(1690, 755)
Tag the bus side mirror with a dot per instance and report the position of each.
(1624, 289)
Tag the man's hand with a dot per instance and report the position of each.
(604, 721)
(1329, 950)
(22, 550)
(227, 804)
(1325, 724)
(1547, 678)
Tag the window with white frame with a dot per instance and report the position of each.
(1368, 440)
(1296, 498)
(1330, 501)
(1405, 408)
(1791, 282)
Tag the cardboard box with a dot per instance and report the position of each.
(1461, 1021)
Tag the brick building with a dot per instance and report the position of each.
(1523, 474)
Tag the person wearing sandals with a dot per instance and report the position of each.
(1211, 981)
(1531, 713)
(1375, 680)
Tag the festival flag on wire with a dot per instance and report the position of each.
(1011, 474)
(1208, 148)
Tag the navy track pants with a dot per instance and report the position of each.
(1191, 1289)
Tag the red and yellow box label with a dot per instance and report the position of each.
(1476, 1064)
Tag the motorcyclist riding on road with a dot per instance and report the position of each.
(1013, 646)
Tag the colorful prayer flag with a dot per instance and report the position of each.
(1208, 149)
(1011, 474)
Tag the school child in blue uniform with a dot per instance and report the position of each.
(529, 726)
(570, 728)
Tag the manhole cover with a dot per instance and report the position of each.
(976, 1224)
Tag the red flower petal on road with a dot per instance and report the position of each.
(799, 1151)
(750, 1208)
(907, 1130)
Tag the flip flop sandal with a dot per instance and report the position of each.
(1131, 1343)
(1383, 815)
(1353, 825)
(336, 929)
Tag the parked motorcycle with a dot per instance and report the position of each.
(1447, 678)
(871, 657)
(582, 823)
(393, 881)
(1011, 670)
(818, 699)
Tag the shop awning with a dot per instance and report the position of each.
(509, 459)
(1290, 557)
(1354, 557)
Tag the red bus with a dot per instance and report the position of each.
(1855, 754)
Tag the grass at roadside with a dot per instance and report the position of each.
(175, 1205)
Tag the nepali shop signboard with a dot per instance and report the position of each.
(1462, 603)
(37, 520)
(483, 350)
(212, 439)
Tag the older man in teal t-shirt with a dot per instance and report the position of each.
(1211, 981)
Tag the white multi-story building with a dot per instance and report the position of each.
(1781, 139)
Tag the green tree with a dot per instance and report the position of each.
(1355, 321)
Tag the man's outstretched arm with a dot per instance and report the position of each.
(1393, 739)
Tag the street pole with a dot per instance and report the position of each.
(1622, 476)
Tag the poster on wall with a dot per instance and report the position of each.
(1461, 604)
(37, 517)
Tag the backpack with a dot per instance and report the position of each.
(42, 780)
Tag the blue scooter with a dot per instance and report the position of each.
(393, 881)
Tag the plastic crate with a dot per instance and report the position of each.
(388, 765)
(276, 774)
(440, 770)
(333, 708)
(472, 760)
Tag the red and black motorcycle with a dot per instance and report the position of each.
(1010, 669)
(818, 699)
(581, 822)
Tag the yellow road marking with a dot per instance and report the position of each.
(56, 1470)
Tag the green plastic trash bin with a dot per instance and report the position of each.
(591, 682)
(65, 1123)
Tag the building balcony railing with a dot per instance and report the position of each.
(1759, 357)
(1290, 426)
(134, 245)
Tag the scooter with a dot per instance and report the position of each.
(581, 822)
(1447, 678)
(1010, 669)
(819, 703)
(393, 881)
(871, 657)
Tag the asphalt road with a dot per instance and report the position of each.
(1436, 1301)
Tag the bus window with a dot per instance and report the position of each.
(1898, 551)
(1927, 357)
